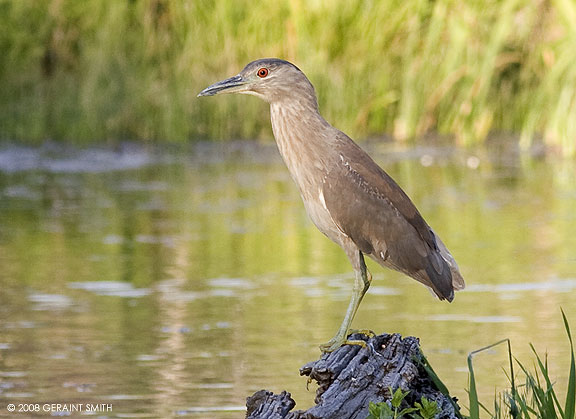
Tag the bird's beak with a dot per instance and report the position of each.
(231, 85)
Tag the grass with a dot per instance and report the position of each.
(536, 397)
(112, 70)
(424, 409)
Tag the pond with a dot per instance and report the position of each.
(165, 282)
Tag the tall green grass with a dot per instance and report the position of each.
(537, 397)
(107, 69)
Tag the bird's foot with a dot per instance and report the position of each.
(337, 342)
(365, 332)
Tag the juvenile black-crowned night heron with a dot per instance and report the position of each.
(348, 196)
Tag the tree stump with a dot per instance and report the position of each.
(353, 376)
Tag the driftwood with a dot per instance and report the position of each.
(352, 376)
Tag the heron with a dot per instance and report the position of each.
(349, 198)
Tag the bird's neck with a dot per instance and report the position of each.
(303, 138)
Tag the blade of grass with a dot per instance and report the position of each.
(547, 400)
(531, 385)
(511, 398)
(472, 392)
(474, 406)
(570, 405)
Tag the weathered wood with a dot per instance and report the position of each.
(352, 376)
(265, 404)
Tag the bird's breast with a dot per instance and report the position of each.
(303, 147)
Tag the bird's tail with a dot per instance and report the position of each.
(457, 280)
(442, 273)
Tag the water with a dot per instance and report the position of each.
(171, 283)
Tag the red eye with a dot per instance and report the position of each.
(263, 72)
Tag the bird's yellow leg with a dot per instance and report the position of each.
(361, 284)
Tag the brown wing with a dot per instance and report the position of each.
(381, 219)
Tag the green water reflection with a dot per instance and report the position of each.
(171, 282)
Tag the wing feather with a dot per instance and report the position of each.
(370, 207)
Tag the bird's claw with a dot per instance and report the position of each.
(361, 343)
(366, 332)
(335, 343)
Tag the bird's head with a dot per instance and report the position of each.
(270, 79)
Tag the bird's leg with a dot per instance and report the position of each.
(362, 279)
